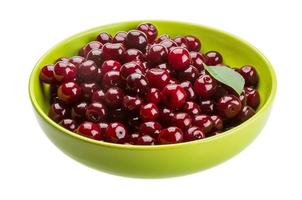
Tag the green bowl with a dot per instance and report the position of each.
(161, 160)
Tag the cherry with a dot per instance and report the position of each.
(117, 115)
(194, 133)
(150, 31)
(204, 122)
(220, 91)
(191, 108)
(228, 106)
(69, 92)
(96, 56)
(245, 113)
(134, 122)
(207, 106)
(64, 72)
(191, 73)
(217, 123)
(145, 140)
(249, 74)
(62, 59)
(103, 126)
(243, 98)
(132, 103)
(87, 71)
(104, 38)
(133, 55)
(88, 47)
(252, 97)
(78, 111)
(179, 58)
(153, 96)
(47, 74)
(197, 60)
(205, 86)
(166, 116)
(157, 54)
(169, 44)
(213, 58)
(193, 43)
(181, 41)
(174, 96)
(111, 79)
(137, 84)
(187, 85)
(88, 89)
(69, 124)
(136, 39)
(162, 38)
(114, 97)
(120, 37)
(129, 68)
(112, 51)
(98, 96)
(158, 78)
(77, 60)
(182, 120)
(58, 111)
(96, 112)
(116, 132)
(132, 139)
(149, 112)
(151, 128)
(89, 129)
(170, 135)
(110, 65)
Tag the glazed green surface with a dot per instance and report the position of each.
(163, 160)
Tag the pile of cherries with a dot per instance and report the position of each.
(140, 89)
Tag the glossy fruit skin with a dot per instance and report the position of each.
(220, 92)
(78, 111)
(58, 111)
(88, 47)
(77, 60)
(111, 79)
(133, 137)
(169, 44)
(116, 132)
(104, 38)
(89, 129)
(103, 126)
(217, 123)
(204, 122)
(157, 54)
(69, 92)
(98, 96)
(132, 103)
(205, 86)
(179, 58)
(153, 96)
(145, 140)
(136, 39)
(207, 106)
(47, 74)
(113, 51)
(187, 85)
(166, 116)
(174, 96)
(96, 56)
(158, 78)
(88, 89)
(96, 112)
(149, 112)
(129, 68)
(62, 59)
(193, 43)
(191, 73)
(181, 41)
(114, 97)
(137, 84)
(133, 55)
(162, 38)
(150, 30)
(191, 108)
(197, 60)
(120, 37)
(228, 106)
(151, 128)
(249, 74)
(64, 72)
(245, 113)
(252, 97)
(170, 135)
(213, 58)
(87, 71)
(69, 124)
(182, 120)
(194, 133)
(110, 65)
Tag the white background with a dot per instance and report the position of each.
(31, 167)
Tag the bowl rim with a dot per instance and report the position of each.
(266, 106)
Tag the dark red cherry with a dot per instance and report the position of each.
(166, 116)
(88, 47)
(150, 31)
(174, 96)
(181, 41)
(47, 74)
(158, 78)
(69, 92)
(133, 137)
(133, 55)
(149, 112)
(116, 132)
(110, 65)
(69, 124)
(132, 103)
(134, 121)
(162, 38)
(136, 39)
(111, 79)
(169, 44)
(64, 72)
(197, 60)
(194, 133)
(228, 106)
(205, 86)
(58, 111)
(145, 140)
(137, 84)
(193, 43)
(78, 111)
(179, 58)
(62, 59)
(89, 129)
(151, 128)
(96, 56)
(217, 123)
(245, 113)
(220, 91)
(213, 58)
(252, 97)
(207, 106)
(170, 135)
(204, 122)
(191, 73)
(157, 54)
(243, 98)
(114, 97)
(87, 71)
(249, 74)
(98, 96)
(112, 51)
(104, 38)
(182, 120)
(88, 89)
(96, 112)
(129, 68)
(77, 60)
(118, 115)
(187, 85)
(191, 108)
(120, 37)
(153, 96)
(103, 126)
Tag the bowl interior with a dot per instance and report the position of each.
(235, 53)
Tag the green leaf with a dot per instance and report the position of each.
(227, 76)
